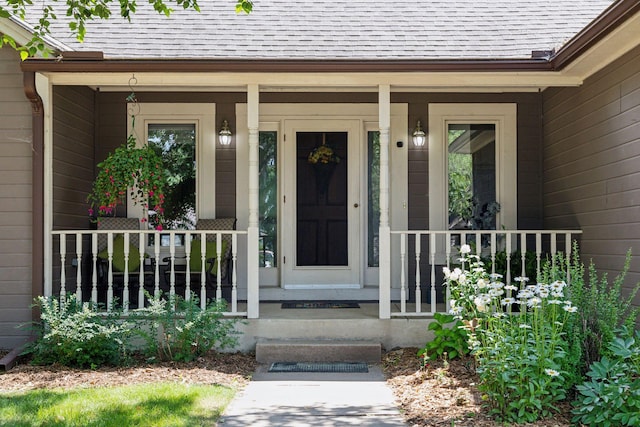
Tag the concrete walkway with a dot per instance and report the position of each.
(313, 400)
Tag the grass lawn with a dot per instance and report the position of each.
(157, 404)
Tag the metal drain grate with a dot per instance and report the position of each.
(322, 367)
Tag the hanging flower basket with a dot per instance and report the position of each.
(132, 170)
(324, 162)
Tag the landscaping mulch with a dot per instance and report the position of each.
(232, 370)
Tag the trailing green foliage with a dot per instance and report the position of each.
(611, 396)
(450, 339)
(75, 334)
(137, 171)
(177, 329)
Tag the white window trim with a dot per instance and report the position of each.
(203, 116)
(504, 117)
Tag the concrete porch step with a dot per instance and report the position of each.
(293, 350)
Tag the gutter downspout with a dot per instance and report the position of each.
(37, 188)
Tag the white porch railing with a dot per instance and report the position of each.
(439, 248)
(83, 263)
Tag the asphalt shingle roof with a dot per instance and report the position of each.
(335, 29)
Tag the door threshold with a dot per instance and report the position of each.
(323, 286)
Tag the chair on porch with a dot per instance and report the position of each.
(211, 262)
(120, 269)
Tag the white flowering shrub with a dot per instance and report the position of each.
(519, 353)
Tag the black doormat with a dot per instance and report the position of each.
(321, 367)
(320, 304)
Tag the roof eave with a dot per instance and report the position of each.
(609, 20)
(22, 33)
(67, 63)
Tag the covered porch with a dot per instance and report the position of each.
(404, 283)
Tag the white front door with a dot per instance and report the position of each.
(321, 204)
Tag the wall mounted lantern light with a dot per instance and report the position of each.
(419, 137)
(224, 136)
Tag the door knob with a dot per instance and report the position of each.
(355, 205)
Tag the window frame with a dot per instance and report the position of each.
(504, 117)
(202, 115)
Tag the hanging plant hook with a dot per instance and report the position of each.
(132, 100)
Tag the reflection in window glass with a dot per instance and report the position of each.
(373, 207)
(176, 143)
(268, 142)
(472, 176)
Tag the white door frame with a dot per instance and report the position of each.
(320, 277)
(272, 117)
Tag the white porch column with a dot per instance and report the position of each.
(253, 122)
(384, 120)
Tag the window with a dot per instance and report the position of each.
(471, 176)
(184, 134)
(268, 194)
(472, 166)
(176, 143)
(373, 207)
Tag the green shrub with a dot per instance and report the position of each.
(74, 334)
(449, 340)
(611, 397)
(177, 329)
(603, 310)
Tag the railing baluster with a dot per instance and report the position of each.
(432, 250)
(523, 255)
(492, 249)
(554, 249)
(567, 248)
(94, 274)
(447, 245)
(403, 284)
(508, 257)
(538, 253)
(125, 290)
(418, 278)
(234, 278)
(172, 256)
(218, 266)
(156, 275)
(187, 252)
(203, 278)
(142, 242)
(110, 272)
(63, 256)
(79, 267)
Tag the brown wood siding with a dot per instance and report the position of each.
(591, 154)
(73, 155)
(15, 202)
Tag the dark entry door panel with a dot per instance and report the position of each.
(321, 199)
